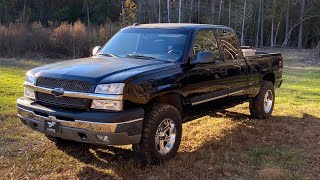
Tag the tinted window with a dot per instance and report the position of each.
(229, 45)
(160, 44)
(205, 40)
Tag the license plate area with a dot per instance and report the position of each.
(52, 126)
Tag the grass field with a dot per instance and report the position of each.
(225, 144)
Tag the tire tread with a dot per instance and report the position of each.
(144, 150)
(256, 105)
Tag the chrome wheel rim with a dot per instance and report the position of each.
(268, 101)
(165, 136)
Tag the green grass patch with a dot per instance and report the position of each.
(300, 86)
(284, 158)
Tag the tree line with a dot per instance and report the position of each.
(259, 23)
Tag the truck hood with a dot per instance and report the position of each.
(101, 69)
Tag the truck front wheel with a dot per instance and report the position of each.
(261, 106)
(161, 135)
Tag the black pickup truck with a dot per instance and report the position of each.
(137, 88)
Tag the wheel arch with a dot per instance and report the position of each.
(173, 98)
(269, 77)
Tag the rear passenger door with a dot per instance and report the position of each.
(204, 82)
(235, 64)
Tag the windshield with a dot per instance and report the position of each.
(150, 44)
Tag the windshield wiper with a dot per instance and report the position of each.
(108, 54)
(139, 56)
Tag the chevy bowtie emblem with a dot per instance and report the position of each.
(57, 92)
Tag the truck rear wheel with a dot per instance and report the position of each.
(261, 106)
(161, 135)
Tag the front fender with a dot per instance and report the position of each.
(143, 93)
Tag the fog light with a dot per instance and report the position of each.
(103, 138)
(29, 93)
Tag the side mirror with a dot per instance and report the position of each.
(95, 50)
(205, 57)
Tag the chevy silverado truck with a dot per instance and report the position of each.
(137, 88)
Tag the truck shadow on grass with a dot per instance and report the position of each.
(283, 146)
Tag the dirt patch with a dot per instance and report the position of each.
(274, 174)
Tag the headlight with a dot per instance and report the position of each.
(116, 88)
(30, 79)
(107, 105)
(29, 93)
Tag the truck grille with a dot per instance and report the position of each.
(67, 85)
(66, 102)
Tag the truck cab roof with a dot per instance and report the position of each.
(187, 26)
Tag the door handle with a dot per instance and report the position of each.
(223, 72)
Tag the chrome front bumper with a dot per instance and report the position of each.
(73, 127)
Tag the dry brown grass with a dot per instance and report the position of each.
(66, 40)
(13, 39)
(217, 143)
(71, 40)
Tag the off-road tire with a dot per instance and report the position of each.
(256, 106)
(146, 150)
